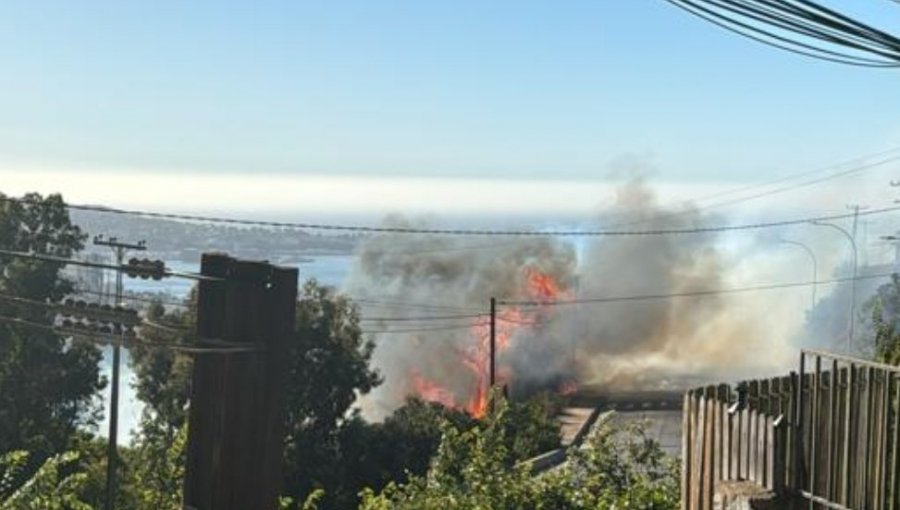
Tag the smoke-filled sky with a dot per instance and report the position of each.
(303, 96)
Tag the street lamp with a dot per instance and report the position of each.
(896, 241)
(853, 281)
(812, 256)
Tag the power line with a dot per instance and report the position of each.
(858, 160)
(416, 330)
(114, 340)
(697, 293)
(467, 232)
(782, 189)
(98, 265)
(411, 305)
(741, 189)
(139, 299)
(421, 318)
(816, 23)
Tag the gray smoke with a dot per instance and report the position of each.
(619, 344)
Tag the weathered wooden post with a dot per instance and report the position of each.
(236, 427)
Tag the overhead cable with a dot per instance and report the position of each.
(473, 232)
(696, 293)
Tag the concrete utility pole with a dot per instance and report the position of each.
(238, 400)
(119, 249)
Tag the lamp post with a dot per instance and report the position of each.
(815, 271)
(896, 241)
(853, 282)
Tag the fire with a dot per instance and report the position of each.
(431, 391)
(568, 387)
(538, 286)
(541, 286)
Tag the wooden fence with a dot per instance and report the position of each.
(827, 435)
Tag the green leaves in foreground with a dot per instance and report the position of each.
(616, 468)
(52, 487)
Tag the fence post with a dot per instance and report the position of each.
(779, 454)
(236, 422)
(687, 438)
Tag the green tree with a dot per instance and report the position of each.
(51, 487)
(48, 385)
(330, 368)
(617, 468)
(885, 321)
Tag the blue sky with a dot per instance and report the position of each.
(536, 90)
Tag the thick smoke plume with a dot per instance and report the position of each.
(628, 344)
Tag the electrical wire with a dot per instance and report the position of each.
(415, 330)
(466, 232)
(421, 318)
(103, 339)
(99, 265)
(861, 160)
(62, 308)
(812, 22)
(138, 299)
(762, 194)
(697, 293)
(411, 305)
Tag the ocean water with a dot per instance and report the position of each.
(329, 270)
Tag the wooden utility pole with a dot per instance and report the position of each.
(112, 457)
(493, 361)
(237, 410)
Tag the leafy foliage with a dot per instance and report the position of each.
(329, 370)
(616, 469)
(51, 487)
(48, 385)
(885, 321)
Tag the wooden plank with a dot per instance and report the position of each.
(793, 433)
(895, 446)
(686, 450)
(238, 399)
(832, 466)
(846, 490)
(813, 443)
(752, 445)
(881, 448)
(865, 473)
(736, 436)
(709, 446)
(699, 442)
(779, 456)
(728, 444)
(769, 473)
(722, 396)
(799, 482)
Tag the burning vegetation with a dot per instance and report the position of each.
(545, 342)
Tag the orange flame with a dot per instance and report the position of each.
(539, 287)
(431, 391)
(567, 388)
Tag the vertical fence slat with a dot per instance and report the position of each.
(812, 445)
(831, 430)
(865, 473)
(709, 445)
(686, 442)
(895, 447)
(700, 440)
(834, 381)
(846, 493)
